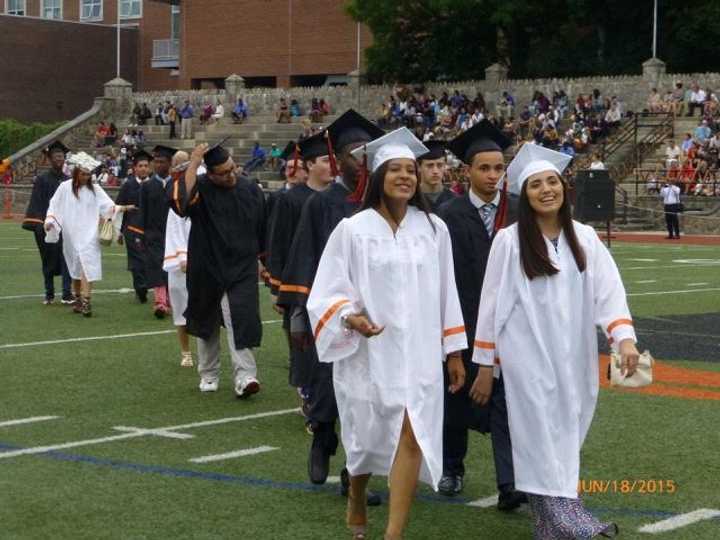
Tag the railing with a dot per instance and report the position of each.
(705, 184)
(166, 49)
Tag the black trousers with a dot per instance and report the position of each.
(173, 135)
(672, 220)
(455, 441)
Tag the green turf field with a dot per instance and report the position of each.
(130, 484)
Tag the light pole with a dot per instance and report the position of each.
(655, 22)
(118, 38)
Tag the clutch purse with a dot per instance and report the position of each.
(643, 376)
(106, 232)
(52, 236)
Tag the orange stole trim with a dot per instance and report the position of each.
(135, 229)
(176, 194)
(33, 220)
(294, 288)
(328, 315)
(195, 199)
(619, 322)
(485, 345)
(453, 331)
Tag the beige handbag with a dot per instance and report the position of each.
(643, 376)
(106, 232)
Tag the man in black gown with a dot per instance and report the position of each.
(472, 221)
(432, 167)
(51, 255)
(226, 239)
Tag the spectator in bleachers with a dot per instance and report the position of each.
(100, 134)
(672, 153)
(687, 144)
(596, 164)
(697, 99)
(710, 108)
(145, 115)
(206, 113)
(240, 112)
(219, 113)
(186, 117)
(702, 132)
(713, 149)
(172, 116)
(598, 103)
(506, 105)
(274, 157)
(139, 137)
(678, 99)
(295, 109)
(128, 141)
(560, 102)
(324, 107)
(283, 112)
(159, 111)
(614, 115)
(316, 114)
(257, 160)
(655, 102)
(112, 135)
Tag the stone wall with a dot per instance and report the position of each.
(633, 90)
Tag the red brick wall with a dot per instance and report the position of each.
(52, 70)
(155, 24)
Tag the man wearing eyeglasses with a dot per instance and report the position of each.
(226, 240)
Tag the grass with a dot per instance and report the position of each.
(145, 487)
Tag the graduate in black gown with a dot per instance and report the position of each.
(51, 255)
(153, 220)
(321, 213)
(472, 220)
(132, 226)
(226, 239)
(432, 167)
(284, 222)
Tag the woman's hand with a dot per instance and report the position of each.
(456, 372)
(629, 357)
(48, 225)
(361, 324)
(129, 208)
(482, 387)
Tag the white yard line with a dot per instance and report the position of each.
(99, 291)
(234, 454)
(686, 291)
(97, 338)
(29, 420)
(487, 502)
(155, 432)
(647, 281)
(138, 432)
(676, 522)
(676, 266)
(697, 284)
(642, 260)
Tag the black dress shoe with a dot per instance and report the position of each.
(448, 485)
(510, 500)
(373, 499)
(318, 461)
(459, 485)
(141, 295)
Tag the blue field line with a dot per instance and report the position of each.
(252, 481)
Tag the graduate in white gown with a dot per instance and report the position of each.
(76, 210)
(549, 283)
(177, 233)
(384, 309)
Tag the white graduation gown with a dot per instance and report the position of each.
(177, 233)
(405, 282)
(78, 219)
(543, 334)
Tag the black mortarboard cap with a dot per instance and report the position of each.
(437, 150)
(56, 146)
(482, 137)
(289, 150)
(164, 151)
(216, 154)
(141, 155)
(314, 146)
(350, 128)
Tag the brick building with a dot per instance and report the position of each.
(174, 44)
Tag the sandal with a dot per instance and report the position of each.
(85, 307)
(356, 525)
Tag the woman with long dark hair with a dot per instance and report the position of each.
(385, 311)
(549, 282)
(76, 210)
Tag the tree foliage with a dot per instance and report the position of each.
(417, 40)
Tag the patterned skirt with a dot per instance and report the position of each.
(560, 518)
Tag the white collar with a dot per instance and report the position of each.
(478, 203)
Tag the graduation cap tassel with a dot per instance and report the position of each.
(296, 157)
(501, 215)
(358, 195)
(331, 155)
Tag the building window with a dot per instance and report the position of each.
(91, 9)
(52, 9)
(130, 9)
(15, 7)
(175, 22)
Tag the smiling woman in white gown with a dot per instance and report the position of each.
(549, 282)
(385, 310)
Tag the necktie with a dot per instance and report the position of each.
(488, 217)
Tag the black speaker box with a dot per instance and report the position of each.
(595, 196)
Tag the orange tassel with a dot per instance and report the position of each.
(358, 195)
(331, 155)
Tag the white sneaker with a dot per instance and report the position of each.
(247, 387)
(207, 385)
(187, 360)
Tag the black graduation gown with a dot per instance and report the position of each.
(445, 196)
(227, 236)
(471, 248)
(286, 212)
(320, 215)
(153, 220)
(270, 201)
(44, 188)
(132, 225)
